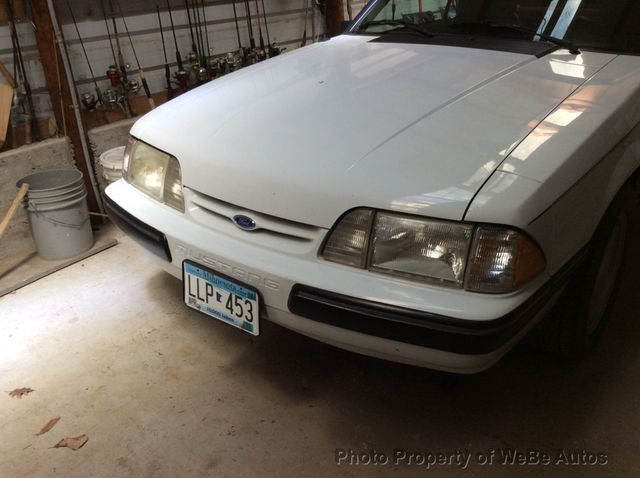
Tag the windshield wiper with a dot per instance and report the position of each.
(569, 45)
(400, 23)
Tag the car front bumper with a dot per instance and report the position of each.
(380, 316)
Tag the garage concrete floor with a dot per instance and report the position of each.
(161, 390)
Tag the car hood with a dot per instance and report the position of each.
(346, 123)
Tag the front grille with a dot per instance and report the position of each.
(219, 215)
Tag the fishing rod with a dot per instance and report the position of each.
(167, 71)
(306, 15)
(197, 8)
(235, 18)
(15, 102)
(313, 21)
(113, 52)
(206, 31)
(34, 125)
(252, 41)
(241, 57)
(127, 85)
(264, 52)
(90, 104)
(181, 75)
(115, 76)
(175, 38)
(266, 25)
(196, 16)
(203, 72)
(145, 85)
(274, 50)
(121, 62)
(194, 48)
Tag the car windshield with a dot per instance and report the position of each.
(608, 25)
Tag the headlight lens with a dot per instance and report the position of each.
(485, 259)
(429, 250)
(154, 172)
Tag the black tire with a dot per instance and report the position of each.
(576, 323)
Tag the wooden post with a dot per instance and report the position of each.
(59, 91)
(335, 17)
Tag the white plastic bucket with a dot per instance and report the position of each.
(58, 214)
(111, 162)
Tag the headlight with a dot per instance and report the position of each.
(503, 260)
(154, 172)
(349, 240)
(430, 250)
(478, 258)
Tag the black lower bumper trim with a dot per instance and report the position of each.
(147, 236)
(419, 328)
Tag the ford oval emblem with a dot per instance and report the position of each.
(244, 222)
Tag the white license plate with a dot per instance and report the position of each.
(220, 297)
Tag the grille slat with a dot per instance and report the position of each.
(265, 223)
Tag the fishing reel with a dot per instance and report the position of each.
(228, 63)
(193, 61)
(110, 98)
(89, 101)
(252, 57)
(122, 102)
(223, 65)
(133, 86)
(182, 78)
(192, 67)
(275, 50)
(235, 60)
(202, 76)
(114, 76)
(213, 67)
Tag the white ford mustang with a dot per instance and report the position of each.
(423, 188)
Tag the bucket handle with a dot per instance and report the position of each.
(55, 222)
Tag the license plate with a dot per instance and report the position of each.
(220, 297)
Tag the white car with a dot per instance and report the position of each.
(421, 189)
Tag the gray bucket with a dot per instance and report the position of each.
(58, 213)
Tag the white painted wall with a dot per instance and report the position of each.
(285, 20)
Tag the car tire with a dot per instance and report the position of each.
(575, 324)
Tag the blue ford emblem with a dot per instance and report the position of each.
(244, 222)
